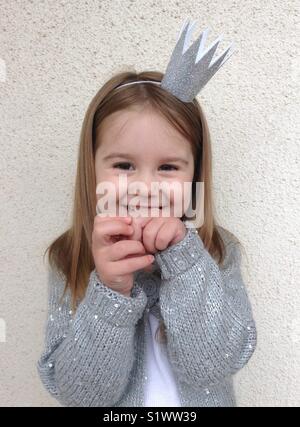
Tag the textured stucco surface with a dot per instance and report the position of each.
(54, 57)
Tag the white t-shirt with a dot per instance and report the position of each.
(160, 386)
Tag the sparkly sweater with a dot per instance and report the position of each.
(97, 355)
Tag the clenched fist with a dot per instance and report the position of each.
(117, 257)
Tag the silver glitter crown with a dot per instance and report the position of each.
(190, 68)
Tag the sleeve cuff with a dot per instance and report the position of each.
(182, 256)
(112, 306)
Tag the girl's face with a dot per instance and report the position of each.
(144, 148)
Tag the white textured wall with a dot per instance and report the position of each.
(54, 57)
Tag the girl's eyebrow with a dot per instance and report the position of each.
(113, 155)
(175, 159)
(127, 156)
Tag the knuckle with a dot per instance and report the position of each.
(160, 241)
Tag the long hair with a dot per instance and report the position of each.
(70, 253)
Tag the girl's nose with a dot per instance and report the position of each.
(144, 184)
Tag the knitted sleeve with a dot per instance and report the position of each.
(210, 328)
(88, 356)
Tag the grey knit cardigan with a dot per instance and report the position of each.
(96, 356)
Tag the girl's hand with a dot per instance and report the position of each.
(160, 232)
(116, 260)
(138, 223)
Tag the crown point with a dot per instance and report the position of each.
(199, 60)
(203, 38)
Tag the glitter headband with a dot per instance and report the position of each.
(190, 67)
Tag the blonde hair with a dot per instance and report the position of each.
(71, 253)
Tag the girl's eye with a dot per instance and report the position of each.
(126, 166)
(122, 165)
(170, 166)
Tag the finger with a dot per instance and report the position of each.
(149, 234)
(141, 221)
(106, 229)
(129, 265)
(124, 248)
(165, 235)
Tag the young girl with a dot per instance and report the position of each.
(115, 281)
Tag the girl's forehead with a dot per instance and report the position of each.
(126, 128)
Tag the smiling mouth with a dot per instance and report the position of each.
(143, 207)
